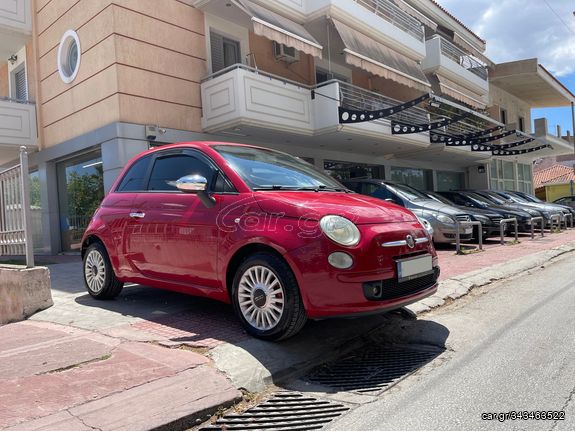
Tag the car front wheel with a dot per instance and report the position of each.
(266, 298)
(99, 277)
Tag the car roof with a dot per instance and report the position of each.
(368, 180)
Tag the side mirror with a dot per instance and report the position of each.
(195, 184)
(190, 184)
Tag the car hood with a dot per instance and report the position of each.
(478, 211)
(433, 205)
(514, 211)
(358, 208)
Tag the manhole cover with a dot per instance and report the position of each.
(284, 411)
(372, 370)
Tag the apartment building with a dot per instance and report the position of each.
(88, 84)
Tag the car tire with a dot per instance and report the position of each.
(266, 298)
(99, 277)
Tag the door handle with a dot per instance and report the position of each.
(137, 215)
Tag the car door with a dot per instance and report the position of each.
(173, 234)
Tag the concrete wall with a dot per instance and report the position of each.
(141, 62)
(555, 191)
(514, 106)
(23, 292)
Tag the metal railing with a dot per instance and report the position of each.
(541, 221)
(554, 218)
(465, 60)
(503, 224)
(354, 97)
(564, 218)
(458, 225)
(394, 15)
(15, 217)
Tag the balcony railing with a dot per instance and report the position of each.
(462, 58)
(17, 122)
(394, 15)
(354, 97)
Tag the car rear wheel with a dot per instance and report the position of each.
(266, 298)
(99, 277)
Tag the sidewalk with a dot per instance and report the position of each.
(154, 358)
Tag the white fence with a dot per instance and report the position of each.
(15, 217)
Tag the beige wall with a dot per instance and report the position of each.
(514, 106)
(4, 88)
(301, 71)
(141, 62)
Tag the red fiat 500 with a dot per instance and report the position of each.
(258, 228)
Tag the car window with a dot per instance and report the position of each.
(458, 199)
(170, 168)
(133, 180)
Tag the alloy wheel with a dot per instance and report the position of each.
(261, 297)
(95, 271)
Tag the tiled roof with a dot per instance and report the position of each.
(457, 20)
(555, 174)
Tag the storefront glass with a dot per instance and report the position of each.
(36, 211)
(80, 190)
(447, 181)
(421, 179)
(347, 170)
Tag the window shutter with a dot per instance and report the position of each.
(20, 81)
(217, 49)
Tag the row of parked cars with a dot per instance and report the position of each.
(442, 209)
(279, 240)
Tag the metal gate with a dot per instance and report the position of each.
(15, 222)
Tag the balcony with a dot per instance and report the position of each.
(15, 26)
(444, 58)
(243, 101)
(17, 127)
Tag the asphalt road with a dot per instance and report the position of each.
(511, 347)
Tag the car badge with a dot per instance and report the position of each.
(410, 241)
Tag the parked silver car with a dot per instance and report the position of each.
(442, 217)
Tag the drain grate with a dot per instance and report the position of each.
(373, 370)
(284, 411)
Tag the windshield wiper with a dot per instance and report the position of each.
(323, 188)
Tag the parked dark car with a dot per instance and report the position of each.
(490, 219)
(566, 200)
(545, 208)
(280, 240)
(441, 216)
(474, 200)
(535, 199)
(500, 200)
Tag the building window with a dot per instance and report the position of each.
(503, 116)
(322, 75)
(20, 84)
(225, 51)
(521, 121)
(447, 181)
(69, 56)
(36, 211)
(524, 178)
(421, 179)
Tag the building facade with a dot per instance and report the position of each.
(88, 84)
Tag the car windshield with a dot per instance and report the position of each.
(440, 198)
(407, 192)
(478, 199)
(532, 198)
(264, 169)
(494, 198)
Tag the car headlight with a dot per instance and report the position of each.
(340, 230)
(445, 219)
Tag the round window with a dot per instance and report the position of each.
(69, 56)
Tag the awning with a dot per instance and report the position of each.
(458, 92)
(280, 29)
(378, 59)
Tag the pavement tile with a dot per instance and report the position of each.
(62, 421)
(128, 366)
(178, 399)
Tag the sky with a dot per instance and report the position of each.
(519, 29)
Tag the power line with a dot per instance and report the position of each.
(560, 19)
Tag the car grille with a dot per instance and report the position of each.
(382, 290)
(496, 220)
(463, 217)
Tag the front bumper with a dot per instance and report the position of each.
(331, 292)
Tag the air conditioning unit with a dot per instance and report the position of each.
(285, 53)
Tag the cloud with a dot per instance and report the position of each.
(519, 29)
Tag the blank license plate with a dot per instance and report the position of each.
(414, 267)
